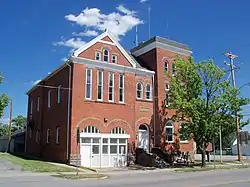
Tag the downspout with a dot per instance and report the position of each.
(68, 110)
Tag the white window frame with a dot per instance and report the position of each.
(105, 55)
(166, 66)
(31, 107)
(141, 91)
(48, 136)
(59, 94)
(114, 58)
(182, 141)
(96, 55)
(91, 129)
(149, 91)
(167, 88)
(100, 85)
(49, 98)
(111, 74)
(90, 83)
(169, 127)
(121, 89)
(57, 135)
(38, 104)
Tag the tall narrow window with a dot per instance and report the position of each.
(121, 88)
(48, 135)
(148, 92)
(100, 85)
(111, 87)
(106, 55)
(166, 67)
(88, 86)
(57, 135)
(114, 59)
(49, 98)
(183, 137)
(31, 107)
(98, 55)
(167, 86)
(174, 69)
(169, 132)
(139, 90)
(59, 94)
(38, 104)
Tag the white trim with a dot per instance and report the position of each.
(123, 88)
(59, 94)
(31, 107)
(100, 55)
(106, 42)
(99, 85)
(150, 92)
(49, 98)
(116, 58)
(38, 104)
(97, 39)
(88, 98)
(103, 54)
(57, 135)
(113, 86)
(100, 135)
(170, 127)
(111, 66)
(140, 98)
(157, 44)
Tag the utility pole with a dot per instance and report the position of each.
(10, 124)
(232, 68)
(220, 146)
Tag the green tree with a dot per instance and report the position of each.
(3, 99)
(4, 129)
(204, 100)
(19, 122)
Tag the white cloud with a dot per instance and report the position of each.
(74, 43)
(143, 1)
(64, 59)
(86, 33)
(118, 24)
(4, 120)
(124, 10)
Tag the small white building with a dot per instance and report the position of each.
(244, 148)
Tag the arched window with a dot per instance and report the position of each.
(139, 90)
(118, 130)
(91, 129)
(167, 99)
(169, 132)
(106, 55)
(49, 98)
(48, 136)
(59, 94)
(148, 92)
(166, 67)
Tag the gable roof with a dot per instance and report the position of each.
(98, 39)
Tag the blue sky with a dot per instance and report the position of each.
(37, 35)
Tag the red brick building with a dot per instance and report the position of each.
(112, 96)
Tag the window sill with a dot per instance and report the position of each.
(104, 102)
(169, 142)
(147, 101)
(184, 142)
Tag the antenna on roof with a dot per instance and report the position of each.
(136, 35)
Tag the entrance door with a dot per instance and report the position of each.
(86, 155)
(143, 138)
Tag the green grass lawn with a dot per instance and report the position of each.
(81, 176)
(35, 165)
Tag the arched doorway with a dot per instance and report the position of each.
(143, 137)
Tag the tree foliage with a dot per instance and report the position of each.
(3, 99)
(19, 122)
(4, 129)
(204, 100)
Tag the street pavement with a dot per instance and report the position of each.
(11, 175)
